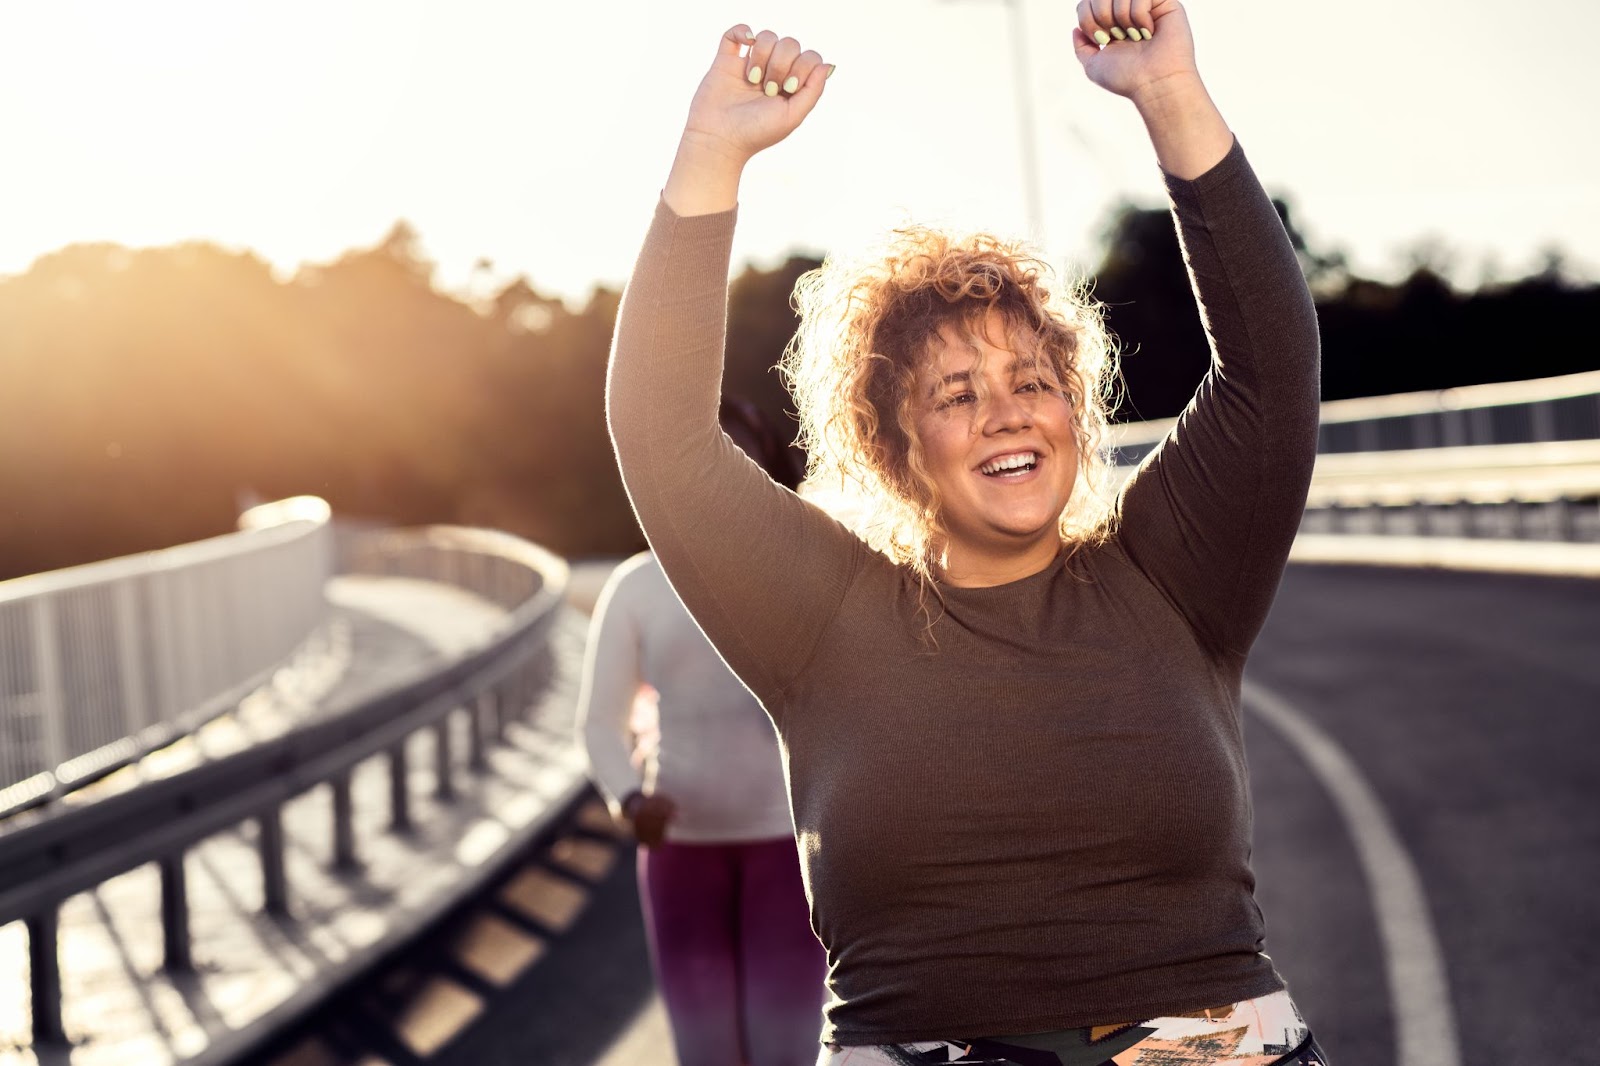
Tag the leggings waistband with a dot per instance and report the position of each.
(1266, 1031)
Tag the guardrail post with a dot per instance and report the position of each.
(399, 790)
(175, 914)
(44, 965)
(1503, 519)
(477, 742)
(532, 678)
(274, 879)
(510, 698)
(1543, 415)
(493, 699)
(1561, 519)
(1367, 436)
(444, 785)
(344, 832)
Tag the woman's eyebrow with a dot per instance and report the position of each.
(962, 376)
(1019, 365)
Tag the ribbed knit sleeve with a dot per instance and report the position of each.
(761, 570)
(1211, 514)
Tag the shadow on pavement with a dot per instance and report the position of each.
(582, 995)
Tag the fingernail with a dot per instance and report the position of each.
(754, 75)
(1141, 34)
(792, 84)
(772, 88)
(1102, 38)
(1116, 31)
(829, 72)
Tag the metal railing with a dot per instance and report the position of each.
(501, 568)
(1547, 492)
(45, 861)
(1512, 461)
(1512, 412)
(102, 663)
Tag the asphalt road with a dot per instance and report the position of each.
(1423, 755)
(1470, 706)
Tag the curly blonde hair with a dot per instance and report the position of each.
(868, 327)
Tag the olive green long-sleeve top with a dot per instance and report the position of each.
(1044, 822)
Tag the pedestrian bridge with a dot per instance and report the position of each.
(238, 776)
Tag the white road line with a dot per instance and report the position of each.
(1425, 1028)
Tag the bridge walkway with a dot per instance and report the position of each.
(121, 1007)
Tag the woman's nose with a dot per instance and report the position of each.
(1004, 411)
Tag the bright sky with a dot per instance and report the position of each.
(536, 134)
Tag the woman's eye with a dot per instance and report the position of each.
(958, 399)
(1031, 386)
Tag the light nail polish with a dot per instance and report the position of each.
(1102, 38)
(792, 84)
(771, 89)
(829, 74)
(1116, 31)
(1141, 34)
(754, 75)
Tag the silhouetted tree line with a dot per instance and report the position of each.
(1377, 338)
(147, 394)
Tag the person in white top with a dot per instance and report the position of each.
(740, 971)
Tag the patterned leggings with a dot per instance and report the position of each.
(1257, 1032)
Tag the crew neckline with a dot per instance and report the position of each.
(1049, 570)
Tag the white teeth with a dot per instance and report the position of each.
(1009, 462)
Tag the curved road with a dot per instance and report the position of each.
(1470, 706)
(1423, 755)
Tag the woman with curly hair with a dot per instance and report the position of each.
(1009, 706)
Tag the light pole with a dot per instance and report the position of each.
(1027, 139)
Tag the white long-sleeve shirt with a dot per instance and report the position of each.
(717, 756)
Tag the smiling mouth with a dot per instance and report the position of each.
(1014, 465)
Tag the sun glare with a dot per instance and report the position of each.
(154, 122)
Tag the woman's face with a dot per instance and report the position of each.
(997, 437)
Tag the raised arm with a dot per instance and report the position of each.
(1212, 513)
(761, 571)
(1158, 74)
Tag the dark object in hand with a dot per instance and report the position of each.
(648, 816)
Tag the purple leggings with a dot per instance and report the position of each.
(738, 967)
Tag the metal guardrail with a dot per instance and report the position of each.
(501, 568)
(1545, 492)
(102, 663)
(1531, 473)
(73, 850)
(1513, 461)
(1562, 408)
